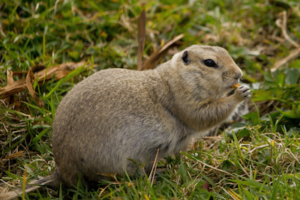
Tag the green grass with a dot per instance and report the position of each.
(255, 159)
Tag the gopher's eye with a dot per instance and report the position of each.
(210, 63)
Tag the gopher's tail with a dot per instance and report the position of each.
(52, 180)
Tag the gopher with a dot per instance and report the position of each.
(119, 115)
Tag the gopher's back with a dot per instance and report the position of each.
(106, 119)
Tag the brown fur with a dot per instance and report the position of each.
(118, 114)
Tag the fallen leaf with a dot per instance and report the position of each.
(18, 154)
(206, 186)
(154, 59)
(10, 79)
(44, 75)
(30, 78)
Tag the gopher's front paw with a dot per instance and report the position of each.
(242, 92)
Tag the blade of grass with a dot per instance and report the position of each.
(69, 76)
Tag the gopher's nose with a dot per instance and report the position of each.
(238, 74)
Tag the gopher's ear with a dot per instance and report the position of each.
(185, 57)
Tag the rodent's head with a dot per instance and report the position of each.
(210, 67)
